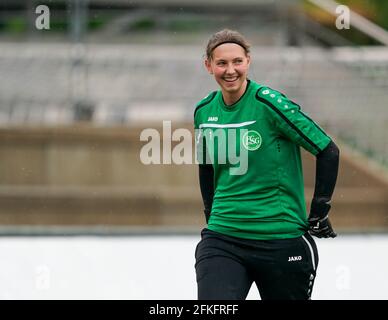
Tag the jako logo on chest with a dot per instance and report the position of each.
(212, 119)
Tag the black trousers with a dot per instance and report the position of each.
(282, 269)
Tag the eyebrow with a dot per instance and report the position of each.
(222, 59)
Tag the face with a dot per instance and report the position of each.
(229, 65)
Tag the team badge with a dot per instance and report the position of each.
(251, 140)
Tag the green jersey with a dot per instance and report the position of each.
(265, 200)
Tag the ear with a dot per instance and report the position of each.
(208, 66)
(248, 60)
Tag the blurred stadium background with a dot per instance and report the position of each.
(74, 99)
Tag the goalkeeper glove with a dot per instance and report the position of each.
(319, 223)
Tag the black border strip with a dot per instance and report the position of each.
(269, 104)
(306, 116)
(301, 112)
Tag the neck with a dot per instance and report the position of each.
(232, 97)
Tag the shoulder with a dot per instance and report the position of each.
(267, 94)
(275, 100)
(205, 101)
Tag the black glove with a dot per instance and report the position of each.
(319, 223)
(321, 227)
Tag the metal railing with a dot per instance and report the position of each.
(344, 89)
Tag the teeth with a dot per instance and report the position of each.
(230, 79)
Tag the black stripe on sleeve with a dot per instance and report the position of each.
(269, 104)
(306, 116)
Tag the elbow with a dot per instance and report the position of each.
(331, 152)
(334, 151)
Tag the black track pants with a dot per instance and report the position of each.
(282, 269)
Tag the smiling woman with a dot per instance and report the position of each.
(258, 229)
(227, 58)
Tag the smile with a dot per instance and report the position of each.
(231, 79)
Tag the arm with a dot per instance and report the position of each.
(206, 183)
(296, 126)
(326, 177)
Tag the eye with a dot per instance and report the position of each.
(238, 61)
(221, 63)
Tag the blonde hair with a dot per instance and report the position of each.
(226, 36)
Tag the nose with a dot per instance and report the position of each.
(230, 69)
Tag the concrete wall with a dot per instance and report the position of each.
(85, 175)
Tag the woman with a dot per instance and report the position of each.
(258, 229)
